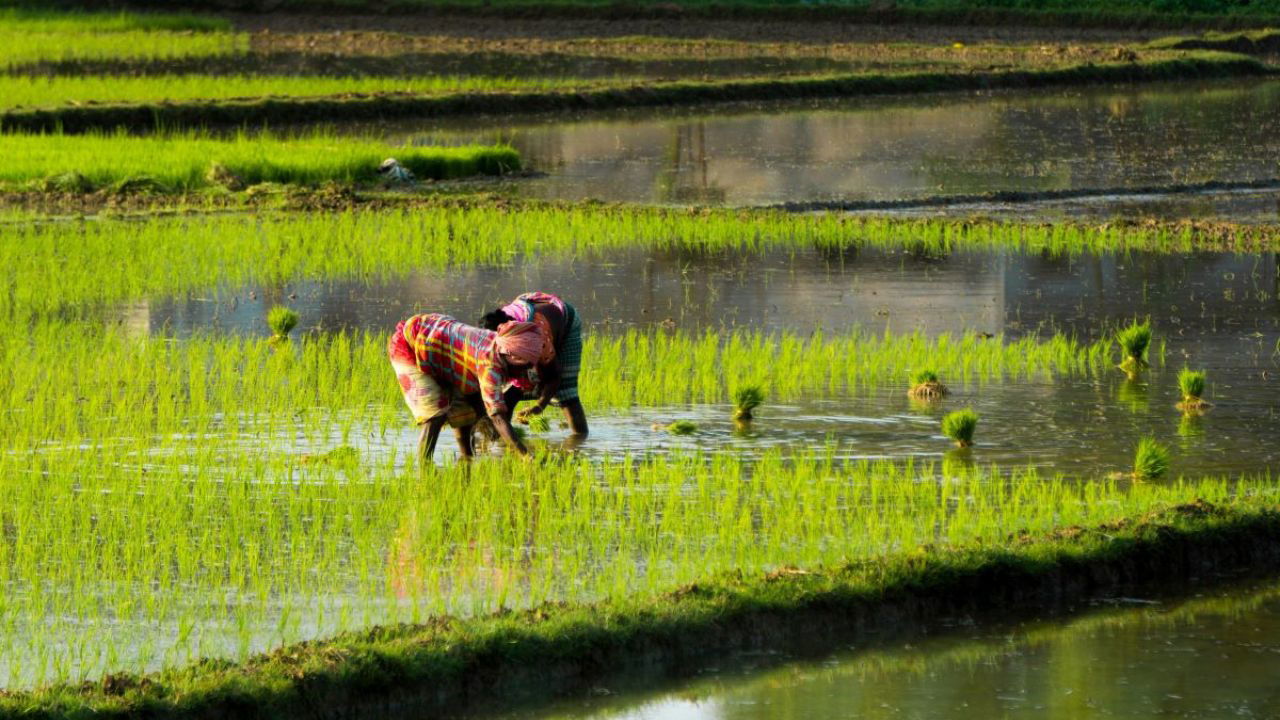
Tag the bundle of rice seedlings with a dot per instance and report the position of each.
(1150, 460)
(1134, 341)
(745, 400)
(1192, 384)
(926, 386)
(282, 321)
(959, 426)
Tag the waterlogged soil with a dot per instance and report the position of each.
(1216, 312)
(1212, 656)
(890, 149)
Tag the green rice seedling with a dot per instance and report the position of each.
(282, 321)
(187, 162)
(745, 400)
(1150, 460)
(960, 425)
(539, 423)
(682, 427)
(926, 386)
(1134, 341)
(1192, 385)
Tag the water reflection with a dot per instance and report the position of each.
(881, 149)
(1208, 657)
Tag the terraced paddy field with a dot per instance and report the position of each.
(204, 515)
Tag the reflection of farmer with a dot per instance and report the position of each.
(448, 371)
(558, 371)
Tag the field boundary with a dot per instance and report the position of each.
(275, 111)
(452, 665)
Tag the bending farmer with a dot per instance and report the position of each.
(558, 372)
(448, 371)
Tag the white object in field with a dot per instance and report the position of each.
(395, 172)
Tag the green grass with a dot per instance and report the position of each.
(1150, 460)
(17, 17)
(181, 162)
(682, 427)
(960, 426)
(32, 35)
(921, 377)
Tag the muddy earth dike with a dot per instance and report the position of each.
(365, 107)
(453, 666)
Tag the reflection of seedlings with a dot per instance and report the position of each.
(957, 462)
(1134, 341)
(745, 400)
(926, 386)
(282, 321)
(1133, 394)
(1191, 383)
(959, 426)
(1150, 460)
(1190, 425)
(679, 427)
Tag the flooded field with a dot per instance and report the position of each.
(1211, 656)
(893, 149)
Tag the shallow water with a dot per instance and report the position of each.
(1213, 656)
(893, 148)
(1212, 311)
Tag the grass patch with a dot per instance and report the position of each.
(1134, 341)
(1150, 460)
(183, 162)
(1192, 384)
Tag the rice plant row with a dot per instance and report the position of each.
(53, 267)
(185, 162)
(113, 560)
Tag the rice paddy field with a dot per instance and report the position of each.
(205, 457)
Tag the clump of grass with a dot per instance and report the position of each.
(1134, 341)
(1192, 384)
(959, 426)
(1150, 460)
(926, 386)
(745, 400)
(682, 427)
(282, 321)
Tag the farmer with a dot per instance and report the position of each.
(448, 371)
(558, 369)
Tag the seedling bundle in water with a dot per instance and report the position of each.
(1150, 460)
(745, 400)
(1134, 341)
(959, 426)
(1192, 384)
(282, 321)
(926, 386)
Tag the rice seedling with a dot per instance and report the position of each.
(1192, 384)
(1150, 460)
(681, 427)
(282, 321)
(190, 161)
(1134, 341)
(926, 386)
(51, 92)
(539, 423)
(960, 425)
(745, 400)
